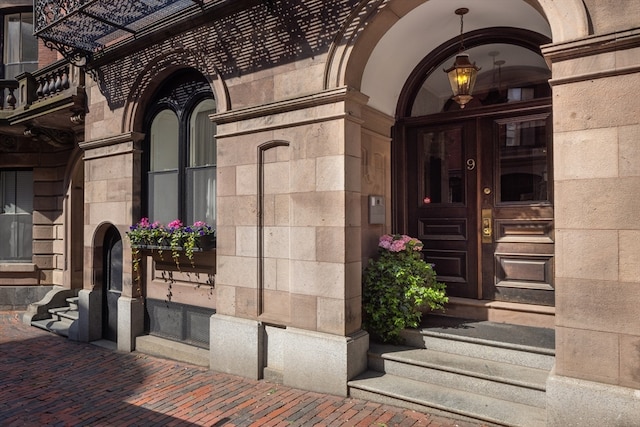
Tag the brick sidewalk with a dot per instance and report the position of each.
(47, 380)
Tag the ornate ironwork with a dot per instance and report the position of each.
(86, 26)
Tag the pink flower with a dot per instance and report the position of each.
(199, 224)
(176, 223)
(399, 243)
(398, 246)
(385, 241)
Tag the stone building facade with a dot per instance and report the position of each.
(318, 106)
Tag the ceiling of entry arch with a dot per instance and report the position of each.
(428, 26)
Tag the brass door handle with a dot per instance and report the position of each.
(487, 230)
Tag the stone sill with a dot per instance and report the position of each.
(17, 267)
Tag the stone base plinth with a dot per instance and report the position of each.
(303, 359)
(574, 402)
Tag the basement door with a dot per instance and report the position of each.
(112, 285)
(479, 196)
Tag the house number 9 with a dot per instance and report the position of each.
(471, 164)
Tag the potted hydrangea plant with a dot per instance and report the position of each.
(397, 283)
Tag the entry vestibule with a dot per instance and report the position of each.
(476, 184)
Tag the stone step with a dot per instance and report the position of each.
(161, 347)
(73, 303)
(64, 314)
(514, 344)
(408, 393)
(504, 381)
(53, 325)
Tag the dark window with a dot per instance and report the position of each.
(182, 152)
(20, 51)
(16, 194)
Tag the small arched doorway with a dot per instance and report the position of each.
(112, 283)
(475, 184)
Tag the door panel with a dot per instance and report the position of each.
(518, 263)
(442, 179)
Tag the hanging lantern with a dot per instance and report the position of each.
(462, 74)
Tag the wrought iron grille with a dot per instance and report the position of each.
(90, 25)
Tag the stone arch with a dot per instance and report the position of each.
(97, 269)
(155, 73)
(348, 57)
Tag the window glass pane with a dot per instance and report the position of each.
(16, 215)
(29, 41)
(24, 192)
(164, 141)
(442, 167)
(201, 195)
(523, 161)
(202, 144)
(163, 196)
(8, 192)
(12, 38)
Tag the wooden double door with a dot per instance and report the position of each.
(478, 191)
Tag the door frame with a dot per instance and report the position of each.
(402, 199)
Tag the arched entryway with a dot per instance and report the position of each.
(502, 43)
(475, 183)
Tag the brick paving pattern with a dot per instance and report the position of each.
(47, 380)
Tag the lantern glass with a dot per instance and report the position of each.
(462, 77)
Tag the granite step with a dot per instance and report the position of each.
(64, 314)
(439, 400)
(506, 381)
(53, 325)
(475, 370)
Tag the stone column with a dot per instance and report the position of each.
(112, 198)
(597, 200)
(289, 241)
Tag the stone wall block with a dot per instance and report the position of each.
(586, 154)
(237, 271)
(587, 254)
(587, 354)
(330, 173)
(303, 311)
(318, 209)
(600, 204)
(629, 150)
(320, 279)
(620, 109)
(600, 305)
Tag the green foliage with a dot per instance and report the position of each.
(396, 285)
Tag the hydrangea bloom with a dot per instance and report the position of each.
(399, 243)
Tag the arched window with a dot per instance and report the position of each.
(181, 155)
